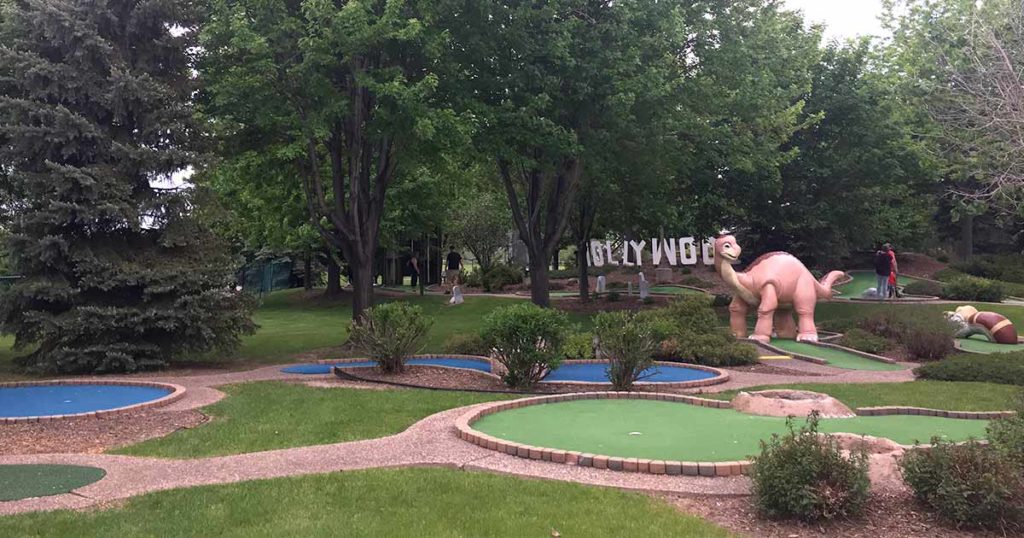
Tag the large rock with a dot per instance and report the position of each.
(786, 403)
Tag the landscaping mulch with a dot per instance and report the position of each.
(93, 435)
(885, 516)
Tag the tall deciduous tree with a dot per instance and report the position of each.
(342, 88)
(94, 111)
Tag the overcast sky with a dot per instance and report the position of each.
(842, 18)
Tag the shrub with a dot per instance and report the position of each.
(969, 288)
(886, 324)
(473, 279)
(694, 335)
(1008, 267)
(466, 344)
(647, 300)
(928, 342)
(1007, 434)
(970, 484)
(862, 340)
(805, 476)
(527, 340)
(923, 287)
(389, 333)
(942, 258)
(579, 346)
(694, 281)
(1004, 368)
(628, 341)
(721, 299)
(500, 276)
(613, 296)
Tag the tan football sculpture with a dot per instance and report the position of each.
(778, 285)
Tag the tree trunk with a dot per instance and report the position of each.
(307, 269)
(333, 277)
(362, 287)
(554, 261)
(584, 274)
(539, 280)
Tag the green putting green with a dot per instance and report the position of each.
(980, 344)
(675, 431)
(24, 481)
(862, 280)
(675, 290)
(835, 357)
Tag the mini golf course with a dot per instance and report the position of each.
(49, 400)
(585, 372)
(863, 280)
(980, 344)
(448, 362)
(835, 357)
(25, 481)
(674, 431)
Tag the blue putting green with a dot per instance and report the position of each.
(450, 362)
(48, 400)
(597, 373)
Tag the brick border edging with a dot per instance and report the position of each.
(465, 431)
(177, 393)
(924, 411)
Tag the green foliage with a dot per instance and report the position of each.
(527, 340)
(501, 275)
(804, 475)
(95, 107)
(473, 279)
(693, 334)
(1006, 368)
(923, 287)
(579, 346)
(721, 300)
(389, 333)
(1007, 434)
(969, 288)
(481, 224)
(862, 340)
(1007, 267)
(613, 296)
(970, 484)
(628, 341)
(466, 344)
(923, 336)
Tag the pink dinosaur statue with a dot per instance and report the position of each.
(776, 284)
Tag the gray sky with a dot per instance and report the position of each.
(842, 18)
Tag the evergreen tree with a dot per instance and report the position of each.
(94, 115)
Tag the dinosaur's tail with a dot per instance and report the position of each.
(825, 285)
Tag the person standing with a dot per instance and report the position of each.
(883, 266)
(414, 269)
(894, 271)
(454, 265)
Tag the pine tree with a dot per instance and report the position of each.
(94, 115)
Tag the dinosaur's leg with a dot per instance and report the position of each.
(804, 303)
(765, 314)
(785, 325)
(738, 317)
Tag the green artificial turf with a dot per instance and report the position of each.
(675, 431)
(839, 314)
(835, 357)
(272, 415)
(980, 344)
(946, 395)
(24, 481)
(675, 290)
(381, 502)
(863, 280)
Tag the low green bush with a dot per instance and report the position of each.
(926, 337)
(1007, 267)
(628, 341)
(500, 276)
(1007, 434)
(970, 288)
(473, 279)
(389, 333)
(694, 335)
(721, 299)
(970, 484)
(1005, 368)
(466, 344)
(613, 296)
(579, 346)
(923, 287)
(862, 340)
(885, 323)
(694, 281)
(803, 475)
(527, 340)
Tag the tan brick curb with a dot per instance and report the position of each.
(465, 431)
(177, 393)
(923, 411)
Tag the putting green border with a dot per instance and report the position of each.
(177, 393)
(958, 347)
(828, 345)
(465, 431)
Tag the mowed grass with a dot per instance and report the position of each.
(373, 503)
(846, 313)
(947, 395)
(272, 415)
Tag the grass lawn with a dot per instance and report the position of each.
(379, 502)
(846, 312)
(272, 415)
(673, 431)
(947, 395)
(835, 357)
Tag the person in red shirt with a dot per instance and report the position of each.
(893, 272)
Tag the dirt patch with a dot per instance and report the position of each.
(93, 435)
(896, 515)
(915, 264)
(785, 403)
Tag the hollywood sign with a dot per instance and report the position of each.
(682, 251)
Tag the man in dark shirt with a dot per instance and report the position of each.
(883, 266)
(454, 266)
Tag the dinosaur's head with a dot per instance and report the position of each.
(727, 249)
